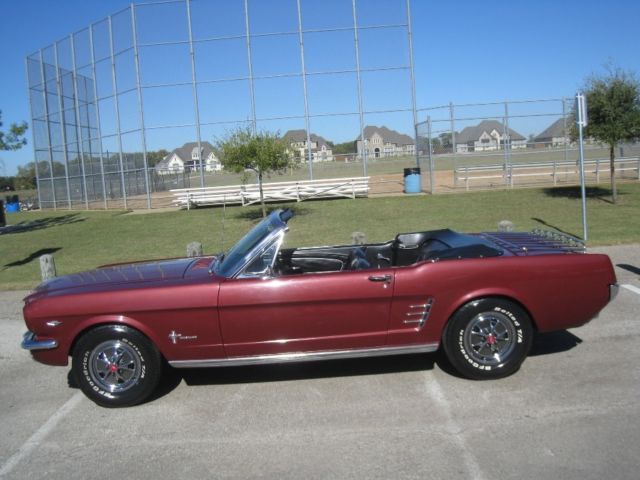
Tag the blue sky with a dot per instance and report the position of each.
(464, 52)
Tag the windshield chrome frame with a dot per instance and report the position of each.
(258, 251)
(280, 228)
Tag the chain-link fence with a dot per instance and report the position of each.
(132, 105)
(510, 143)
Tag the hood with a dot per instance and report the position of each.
(127, 274)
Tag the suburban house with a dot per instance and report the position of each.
(556, 135)
(384, 142)
(186, 158)
(320, 148)
(488, 135)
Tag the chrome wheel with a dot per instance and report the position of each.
(115, 366)
(489, 338)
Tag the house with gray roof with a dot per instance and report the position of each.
(186, 158)
(555, 135)
(384, 142)
(320, 149)
(488, 135)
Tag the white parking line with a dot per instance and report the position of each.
(452, 428)
(36, 439)
(631, 288)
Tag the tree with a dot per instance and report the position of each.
(613, 106)
(14, 140)
(445, 138)
(7, 184)
(263, 152)
(155, 157)
(26, 177)
(436, 145)
(343, 148)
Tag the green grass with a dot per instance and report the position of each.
(82, 240)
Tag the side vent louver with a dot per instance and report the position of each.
(419, 313)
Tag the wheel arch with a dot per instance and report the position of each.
(117, 321)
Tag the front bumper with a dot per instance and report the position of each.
(29, 342)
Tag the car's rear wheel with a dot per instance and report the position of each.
(488, 338)
(116, 366)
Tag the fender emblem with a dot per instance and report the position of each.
(174, 337)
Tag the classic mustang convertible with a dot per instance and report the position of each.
(480, 297)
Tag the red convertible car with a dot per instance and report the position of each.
(479, 297)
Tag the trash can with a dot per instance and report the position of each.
(3, 222)
(13, 203)
(412, 180)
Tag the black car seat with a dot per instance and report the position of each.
(357, 260)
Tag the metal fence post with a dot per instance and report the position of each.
(432, 187)
(581, 121)
(507, 145)
(98, 121)
(143, 137)
(252, 92)
(35, 160)
(304, 88)
(115, 99)
(413, 82)
(195, 91)
(63, 129)
(50, 146)
(363, 144)
(453, 141)
(565, 141)
(76, 102)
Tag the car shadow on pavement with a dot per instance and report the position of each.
(308, 370)
(553, 342)
(543, 344)
(172, 377)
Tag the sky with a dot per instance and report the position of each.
(464, 52)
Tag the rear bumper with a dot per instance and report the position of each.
(613, 291)
(29, 342)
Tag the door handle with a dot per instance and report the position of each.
(380, 278)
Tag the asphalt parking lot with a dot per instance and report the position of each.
(572, 411)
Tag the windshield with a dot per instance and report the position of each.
(228, 264)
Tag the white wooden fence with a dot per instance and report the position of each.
(272, 192)
(498, 171)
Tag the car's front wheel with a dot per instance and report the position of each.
(116, 366)
(488, 338)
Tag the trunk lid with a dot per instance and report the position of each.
(536, 242)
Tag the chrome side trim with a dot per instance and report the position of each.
(306, 356)
(29, 342)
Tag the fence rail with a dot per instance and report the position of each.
(508, 173)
